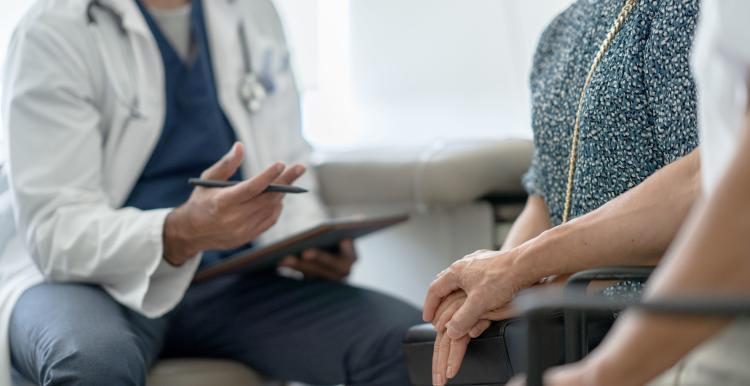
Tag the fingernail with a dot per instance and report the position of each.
(450, 371)
(279, 167)
(299, 169)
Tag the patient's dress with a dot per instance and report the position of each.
(640, 109)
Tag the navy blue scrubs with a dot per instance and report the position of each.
(196, 132)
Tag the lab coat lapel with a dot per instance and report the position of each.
(131, 141)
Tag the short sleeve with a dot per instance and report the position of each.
(670, 86)
(529, 180)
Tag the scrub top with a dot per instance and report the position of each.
(196, 132)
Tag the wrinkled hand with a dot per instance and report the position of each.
(489, 279)
(319, 264)
(448, 353)
(228, 217)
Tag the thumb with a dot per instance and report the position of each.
(227, 165)
(465, 318)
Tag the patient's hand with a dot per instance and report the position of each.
(489, 279)
(319, 264)
(449, 353)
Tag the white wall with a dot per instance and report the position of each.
(424, 69)
(444, 68)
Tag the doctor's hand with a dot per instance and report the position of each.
(320, 264)
(225, 218)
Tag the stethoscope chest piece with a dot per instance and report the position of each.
(252, 92)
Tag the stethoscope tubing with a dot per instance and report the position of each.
(251, 91)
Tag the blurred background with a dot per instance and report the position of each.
(375, 71)
(416, 104)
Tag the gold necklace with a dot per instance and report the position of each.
(627, 9)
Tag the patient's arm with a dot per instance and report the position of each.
(710, 255)
(534, 220)
(633, 229)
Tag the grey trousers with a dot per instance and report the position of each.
(310, 331)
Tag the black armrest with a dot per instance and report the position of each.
(537, 307)
(583, 278)
(576, 337)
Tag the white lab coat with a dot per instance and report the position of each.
(72, 155)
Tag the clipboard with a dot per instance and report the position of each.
(327, 235)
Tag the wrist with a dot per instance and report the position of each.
(179, 241)
(541, 256)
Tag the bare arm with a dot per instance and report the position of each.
(534, 220)
(633, 229)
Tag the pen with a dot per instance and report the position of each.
(273, 188)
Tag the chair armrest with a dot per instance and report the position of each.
(537, 306)
(576, 337)
(583, 278)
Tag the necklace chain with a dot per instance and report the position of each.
(627, 9)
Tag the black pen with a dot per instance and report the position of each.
(273, 188)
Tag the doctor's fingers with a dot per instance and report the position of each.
(347, 250)
(314, 270)
(291, 174)
(227, 165)
(249, 189)
(341, 266)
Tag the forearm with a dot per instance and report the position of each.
(633, 229)
(533, 220)
(710, 256)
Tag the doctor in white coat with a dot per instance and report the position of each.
(96, 254)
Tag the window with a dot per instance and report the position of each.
(403, 71)
(413, 71)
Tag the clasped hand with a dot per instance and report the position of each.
(462, 301)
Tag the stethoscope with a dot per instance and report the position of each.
(251, 91)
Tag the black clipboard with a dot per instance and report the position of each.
(324, 236)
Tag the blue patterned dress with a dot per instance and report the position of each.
(640, 110)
